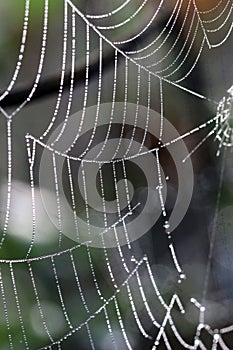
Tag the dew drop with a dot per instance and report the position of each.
(166, 225)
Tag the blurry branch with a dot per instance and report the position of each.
(51, 84)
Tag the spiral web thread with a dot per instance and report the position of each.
(207, 25)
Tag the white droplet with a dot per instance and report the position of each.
(182, 276)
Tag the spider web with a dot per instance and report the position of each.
(206, 28)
